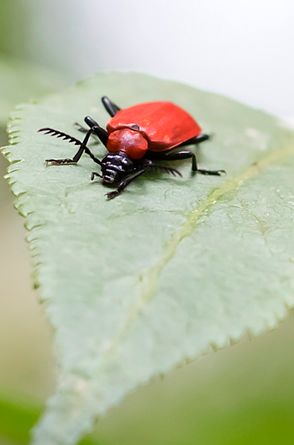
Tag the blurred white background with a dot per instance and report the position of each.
(241, 48)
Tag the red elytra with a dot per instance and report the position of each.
(154, 126)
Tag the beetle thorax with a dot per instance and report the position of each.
(132, 142)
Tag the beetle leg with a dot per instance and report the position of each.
(184, 154)
(203, 137)
(174, 155)
(178, 155)
(123, 184)
(82, 129)
(187, 154)
(211, 172)
(196, 141)
(195, 168)
(109, 106)
(94, 174)
(97, 130)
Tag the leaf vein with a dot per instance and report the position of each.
(151, 276)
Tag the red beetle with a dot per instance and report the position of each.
(137, 137)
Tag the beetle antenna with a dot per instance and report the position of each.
(60, 134)
(70, 139)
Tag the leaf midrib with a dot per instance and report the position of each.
(150, 277)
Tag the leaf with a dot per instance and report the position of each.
(20, 81)
(171, 268)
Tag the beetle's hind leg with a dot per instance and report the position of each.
(196, 140)
(186, 154)
(210, 172)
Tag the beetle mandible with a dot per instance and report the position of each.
(137, 138)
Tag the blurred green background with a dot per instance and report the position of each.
(240, 395)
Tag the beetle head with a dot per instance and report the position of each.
(115, 166)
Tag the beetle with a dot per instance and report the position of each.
(137, 138)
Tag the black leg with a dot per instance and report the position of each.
(110, 107)
(94, 174)
(126, 181)
(203, 137)
(172, 155)
(149, 165)
(97, 130)
(84, 130)
(185, 154)
(182, 154)
(197, 140)
(77, 156)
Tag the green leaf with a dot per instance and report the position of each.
(167, 271)
(21, 81)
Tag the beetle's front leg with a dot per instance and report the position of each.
(84, 130)
(126, 181)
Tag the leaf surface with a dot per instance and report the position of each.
(166, 271)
